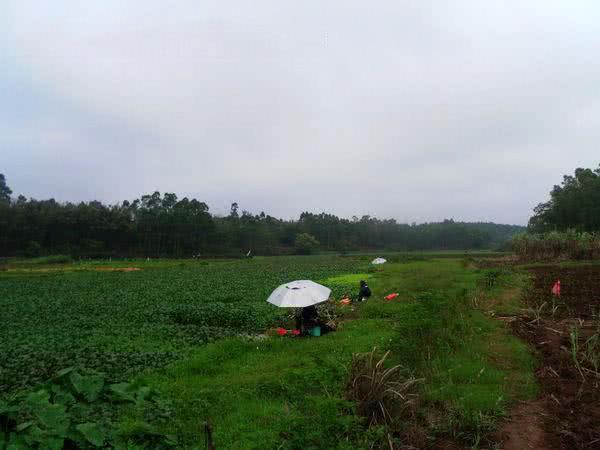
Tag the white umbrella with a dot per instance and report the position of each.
(299, 294)
(379, 261)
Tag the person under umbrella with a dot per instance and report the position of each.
(303, 294)
(307, 318)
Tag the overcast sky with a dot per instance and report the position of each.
(414, 110)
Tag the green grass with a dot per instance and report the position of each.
(474, 367)
(273, 392)
(505, 287)
(42, 260)
(347, 280)
(476, 381)
(64, 263)
(253, 391)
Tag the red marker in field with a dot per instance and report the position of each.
(556, 288)
(391, 296)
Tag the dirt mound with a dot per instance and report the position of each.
(117, 269)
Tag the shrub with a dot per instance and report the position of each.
(33, 249)
(586, 352)
(381, 395)
(54, 259)
(42, 260)
(569, 244)
(305, 244)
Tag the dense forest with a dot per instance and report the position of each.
(163, 225)
(568, 225)
(575, 204)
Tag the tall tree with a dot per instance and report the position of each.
(575, 203)
(5, 191)
(233, 213)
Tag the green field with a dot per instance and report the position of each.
(192, 333)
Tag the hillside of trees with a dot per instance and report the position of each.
(568, 225)
(574, 204)
(165, 226)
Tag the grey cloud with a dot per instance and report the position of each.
(413, 110)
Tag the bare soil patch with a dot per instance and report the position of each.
(526, 428)
(567, 413)
(580, 289)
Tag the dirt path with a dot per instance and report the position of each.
(526, 428)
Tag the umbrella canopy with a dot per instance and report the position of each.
(379, 261)
(299, 294)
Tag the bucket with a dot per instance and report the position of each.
(316, 331)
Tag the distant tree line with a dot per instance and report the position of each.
(158, 225)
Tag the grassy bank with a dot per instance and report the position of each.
(288, 393)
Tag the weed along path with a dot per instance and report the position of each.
(525, 426)
(281, 392)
